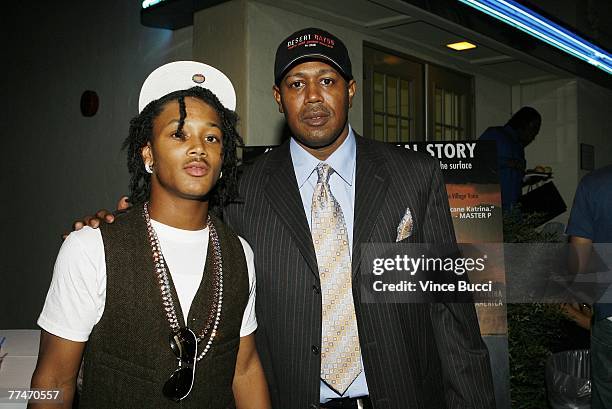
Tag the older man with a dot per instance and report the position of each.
(386, 355)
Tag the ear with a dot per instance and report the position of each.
(147, 154)
(352, 89)
(277, 97)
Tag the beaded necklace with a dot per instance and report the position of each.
(161, 272)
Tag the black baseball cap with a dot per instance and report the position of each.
(312, 44)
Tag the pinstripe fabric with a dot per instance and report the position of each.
(424, 356)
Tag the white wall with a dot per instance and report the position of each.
(58, 165)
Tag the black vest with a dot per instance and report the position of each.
(128, 356)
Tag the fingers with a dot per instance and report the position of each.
(105, 215)
(93, 221)
(123, 203)
(79, 224)
(101, 215)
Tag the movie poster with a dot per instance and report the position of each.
(472, 184)
(471, 177)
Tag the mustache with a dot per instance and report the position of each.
(315, 111)
(199, 161)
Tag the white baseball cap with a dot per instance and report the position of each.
(180, 75)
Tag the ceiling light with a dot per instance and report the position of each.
(462, 45)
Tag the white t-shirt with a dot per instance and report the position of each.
(76, 297)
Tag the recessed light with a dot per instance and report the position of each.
(462, 45)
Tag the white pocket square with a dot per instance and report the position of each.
(404, 229)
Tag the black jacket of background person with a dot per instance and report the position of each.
(417, 356)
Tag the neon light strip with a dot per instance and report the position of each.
(149, 3)
(534, 33)
(537, 26)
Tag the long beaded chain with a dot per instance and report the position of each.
(161, 272)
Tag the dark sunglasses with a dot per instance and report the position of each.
(184, 343)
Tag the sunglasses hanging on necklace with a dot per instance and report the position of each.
(185, 346)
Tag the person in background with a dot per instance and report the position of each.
(511, 140)
(160, 304)
(590, 223)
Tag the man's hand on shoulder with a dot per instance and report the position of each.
(102, 215)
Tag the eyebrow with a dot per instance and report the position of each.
(319, 72)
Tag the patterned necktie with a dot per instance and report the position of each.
(340, 353)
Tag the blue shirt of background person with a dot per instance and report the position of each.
(590, 223)
(511, 140)
(591, 216)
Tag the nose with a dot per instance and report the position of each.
(313, 92)
(197, 147)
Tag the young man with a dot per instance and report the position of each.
(160, 304)
(393, 356)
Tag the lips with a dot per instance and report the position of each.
(316, 118)
(197, 168)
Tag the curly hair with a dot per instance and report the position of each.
(141, 132)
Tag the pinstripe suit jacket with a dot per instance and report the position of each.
(424, 356)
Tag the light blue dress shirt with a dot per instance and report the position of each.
(342, 186)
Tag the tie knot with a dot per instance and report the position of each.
(324, 171)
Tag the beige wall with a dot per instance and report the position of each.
(267, 26)
(556, 144)
(595, 122)
(240, 37)
(220, 39)
(493, 103)
(573, 112)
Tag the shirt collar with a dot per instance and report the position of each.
(342, 160)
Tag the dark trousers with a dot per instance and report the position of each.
(601, 364)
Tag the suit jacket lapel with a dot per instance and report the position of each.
(284, 197)
(372, 182)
